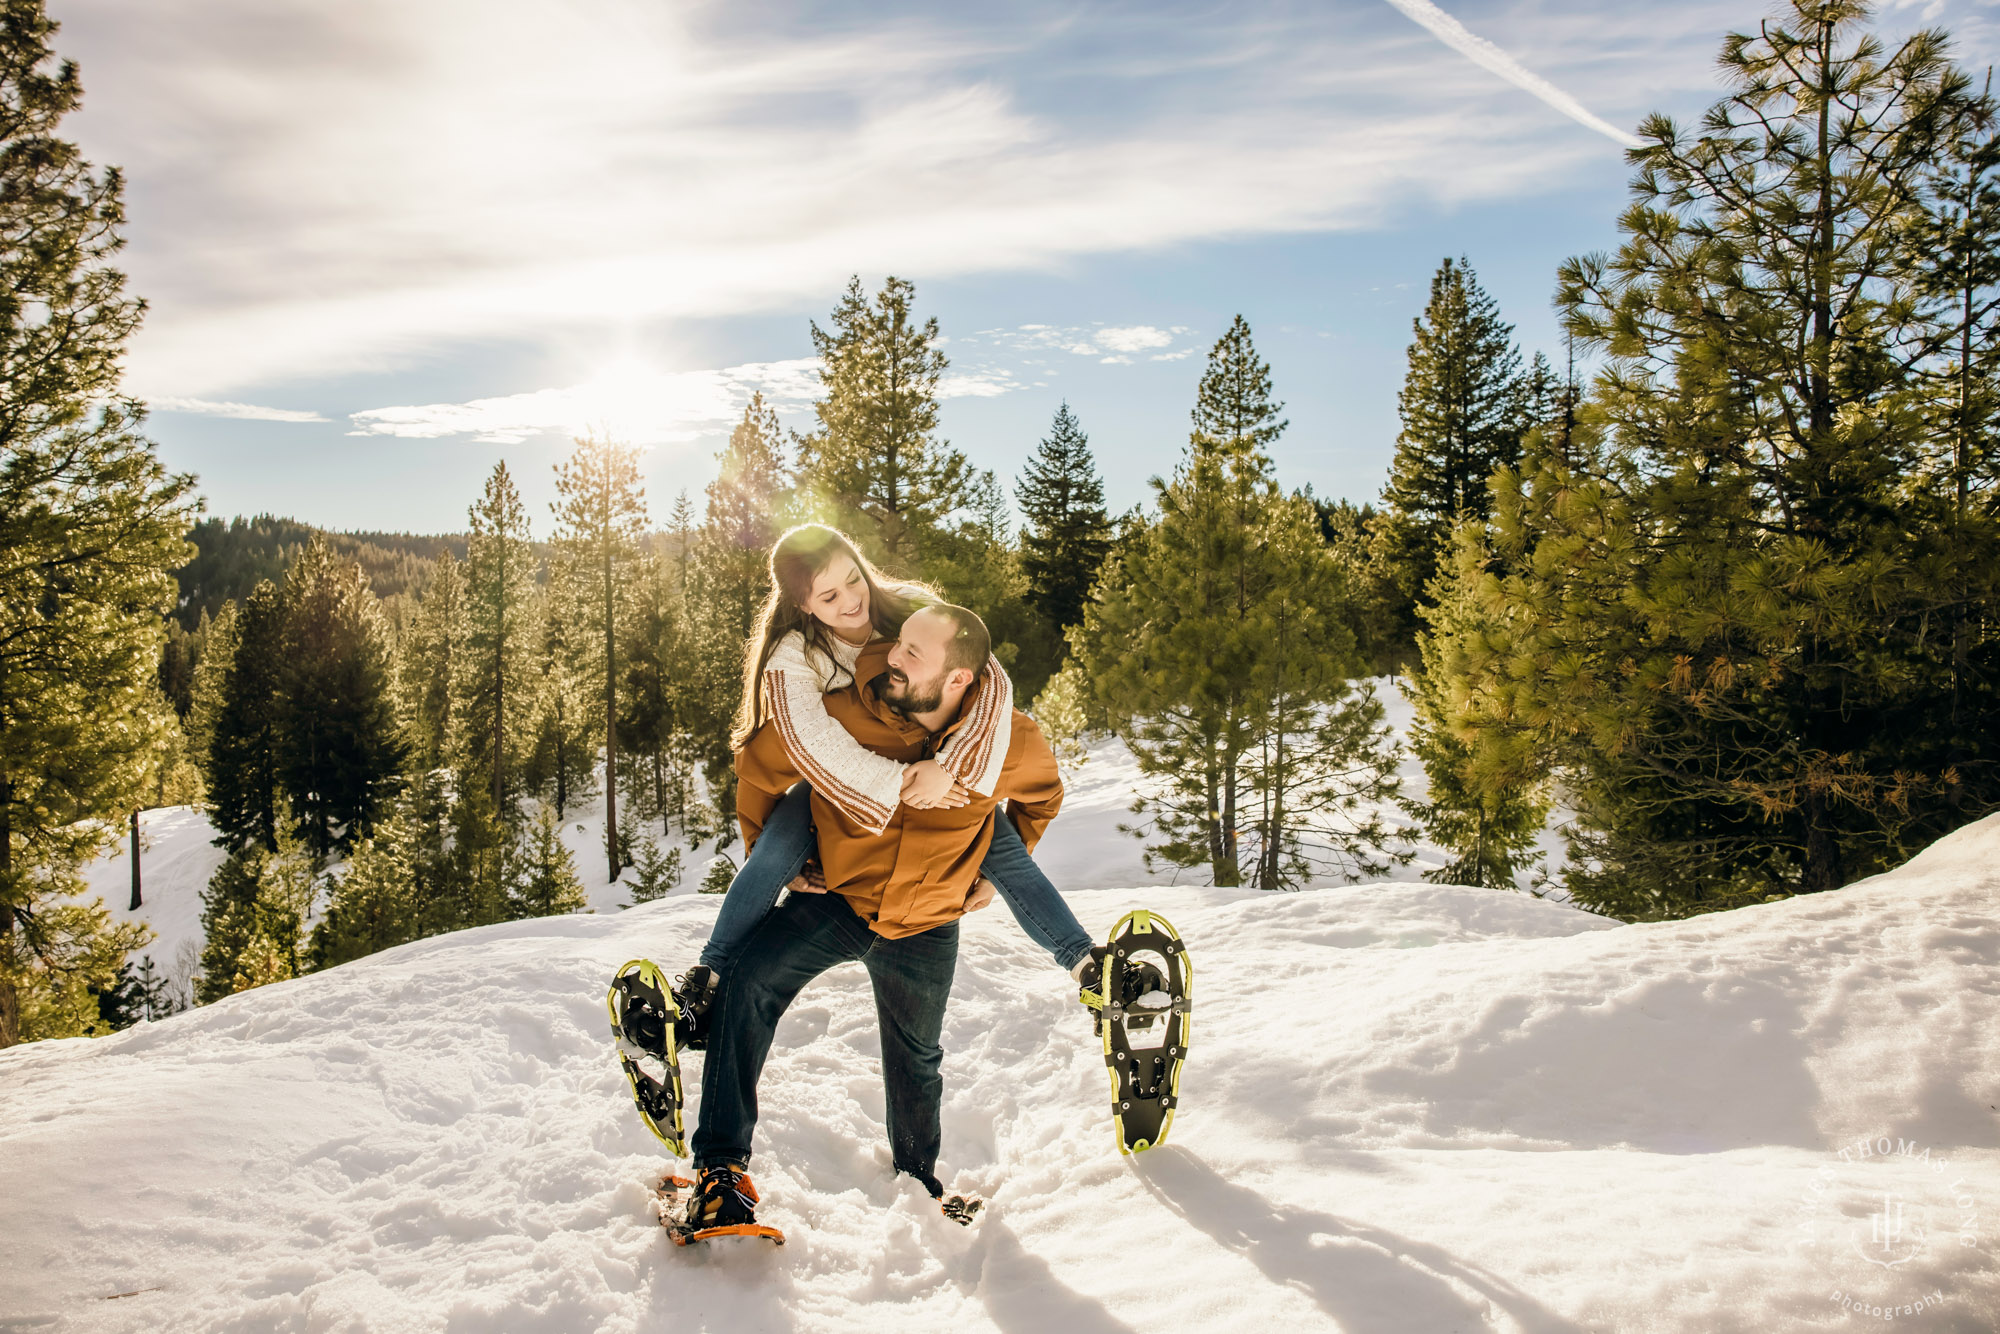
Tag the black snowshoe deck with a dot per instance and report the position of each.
(1148, 980)
(643, 1014)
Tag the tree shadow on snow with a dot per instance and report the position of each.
(1367, 1278)
(1022, 1293)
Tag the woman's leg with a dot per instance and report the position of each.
(783, 847)
(1037, 905)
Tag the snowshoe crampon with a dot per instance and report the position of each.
(961, 1209)
(643, 1015)
(723, 1203)
(1147, 983)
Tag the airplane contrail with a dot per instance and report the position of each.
(1454, 35)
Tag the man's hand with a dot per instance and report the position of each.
(928, 785)
(981, 895)
(812, 880)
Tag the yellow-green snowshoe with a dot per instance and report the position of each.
(1145, 1032)
(643, 1015)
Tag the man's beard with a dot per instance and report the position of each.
(905, 700)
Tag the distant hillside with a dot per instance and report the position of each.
(234, 554)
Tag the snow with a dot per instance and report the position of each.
(1408, 1107)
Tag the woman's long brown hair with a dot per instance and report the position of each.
(797, 559)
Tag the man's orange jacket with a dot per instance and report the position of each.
(917, 873)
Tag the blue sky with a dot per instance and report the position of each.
(386, 242)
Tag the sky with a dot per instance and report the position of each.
(386, 243)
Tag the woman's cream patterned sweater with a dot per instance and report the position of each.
(865, 786)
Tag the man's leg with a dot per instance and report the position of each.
(806, 936)
(912, 980)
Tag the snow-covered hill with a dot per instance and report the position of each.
(1407, 1108)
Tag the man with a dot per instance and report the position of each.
(893, 903)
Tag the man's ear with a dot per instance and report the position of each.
(961, 678)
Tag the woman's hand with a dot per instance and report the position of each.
(812, 880)
(928, 786)
(981, 895)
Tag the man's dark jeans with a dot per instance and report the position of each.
(808, 934)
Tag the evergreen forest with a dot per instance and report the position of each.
(1713, 587)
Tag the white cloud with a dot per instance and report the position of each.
(629, 401)
(242, 411)
(1111, 345)
(1134, 338)
(337, 187)
(984, 383)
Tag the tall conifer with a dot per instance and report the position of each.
(1727, 627)
(1068, 532)
(430, 663)
(500, 577)
(876, 456)
(1204, 652)
(243, 781)
(339, 755)
(90, 527)
(601, 512)
(1462, 418)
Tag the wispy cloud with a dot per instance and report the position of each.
(327, 189)
(1136, 338)
(242, 411)
(639, 404)
(631, 402)
(1482, 52)
(1117, 345)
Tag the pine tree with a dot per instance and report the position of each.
(747, 504)
(1068, 532)
(495, 681)
(254, 913)
(90, 527)
(205, 691)
(177, 663)
(567, 660)
(378, 902)
(1208, 651)
(339, 757)
(243, 783)
(1722, 626)
(1952, 250)
(429, 663)
(1484, 816)
(1234, 412)
(544, 882)
(876, 457)
(723, 579)
(1324, 767)
(1462, 418)
(656, 870)
(466, 879)
(601, 515)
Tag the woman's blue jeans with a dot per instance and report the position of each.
(787, 842)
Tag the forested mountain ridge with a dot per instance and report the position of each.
(234, 554)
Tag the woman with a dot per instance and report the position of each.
(826, 603)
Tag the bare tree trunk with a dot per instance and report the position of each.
(610, 714)
(10, 1000)
(499, 666)
(135, 860)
